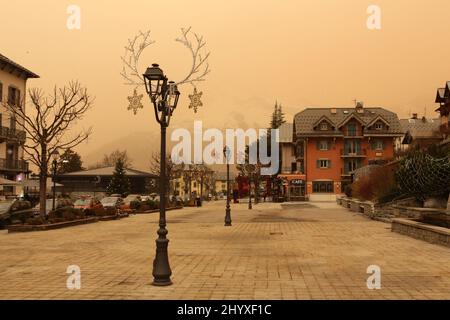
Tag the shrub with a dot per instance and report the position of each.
(35, 221)
(378, 184)
(135, 205)
(348, 190)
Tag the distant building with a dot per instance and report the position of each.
(13, 80)
(97, 180)
(188, 180)
(220, 182)
(443, 98)
(329, 144)
(421, 132)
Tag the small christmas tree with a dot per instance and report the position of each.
(119, 183)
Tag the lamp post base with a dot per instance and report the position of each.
(227, 218)
(161, 268)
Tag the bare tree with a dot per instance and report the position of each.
(48, 125)
(171, 171)
(110, 160)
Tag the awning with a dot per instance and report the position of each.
(6, 182)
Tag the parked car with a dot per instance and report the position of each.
(59, 203)
(13, 210)
(145, 198)
(127, 202)
(89, 205)
(112, 203)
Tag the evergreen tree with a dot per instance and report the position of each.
(119, 183)
(70, 161)
(280, 116)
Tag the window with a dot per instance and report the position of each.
(13, 96)
(351, 129)
(323, 186)
(323, 163)
(1, 91)
(300, 149)
(378, 126)
(377, 145)
(294, 167)
(322, 145)
(324, 126)
(12, 123)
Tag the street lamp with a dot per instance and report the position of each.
(226, 153)
(55, 155)
(164, 96)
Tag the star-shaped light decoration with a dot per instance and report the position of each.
(195, 100)
(135, 102)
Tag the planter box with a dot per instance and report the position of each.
(157, 210)
(43, 227)
(422, 231)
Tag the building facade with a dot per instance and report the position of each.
(13, 81)
(329, 144)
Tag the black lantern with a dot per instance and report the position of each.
(155, 82)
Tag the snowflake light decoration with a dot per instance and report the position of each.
(195, 100)
(135, 102)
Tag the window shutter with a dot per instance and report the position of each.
(318, 144)
(382, 144)
(329, 164)
(372, 145)
(328, 145)
(18, 97)
(10, 95)
(1, 91)
(318, 163)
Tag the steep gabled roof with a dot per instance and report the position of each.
(440, 95)
(379, 117)
(324, 118)
(304, 121)
(351, 116)
(15, 68)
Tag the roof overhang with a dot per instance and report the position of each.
(16, 69)
(378, 117)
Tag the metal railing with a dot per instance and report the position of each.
(12, 134)
(7, 164)
(353, 153)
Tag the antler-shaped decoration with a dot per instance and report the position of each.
(133, 51)
(198, 72)
(200, 65)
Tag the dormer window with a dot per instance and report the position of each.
(324, 126)
(378, 126)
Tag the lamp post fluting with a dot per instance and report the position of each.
(226, 153)
(55, 155)
(164, 96)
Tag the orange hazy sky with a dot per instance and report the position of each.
(302, 53)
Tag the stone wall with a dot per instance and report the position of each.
(421, 231)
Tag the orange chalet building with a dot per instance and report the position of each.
(324, 146)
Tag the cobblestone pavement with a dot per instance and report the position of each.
(303, 251)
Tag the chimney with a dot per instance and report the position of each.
(360, 107)
(414, 116)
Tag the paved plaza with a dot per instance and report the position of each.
(302, 251)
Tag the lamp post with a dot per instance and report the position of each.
(226, 153)
(250, 190)
(55, 155)
(164, 96)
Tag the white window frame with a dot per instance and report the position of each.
(324, 126)
(378, 126)
(324, 161)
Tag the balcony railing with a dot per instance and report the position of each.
(13, 165)
(12, 134)
(353, 153)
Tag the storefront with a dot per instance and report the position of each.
(294, 187)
